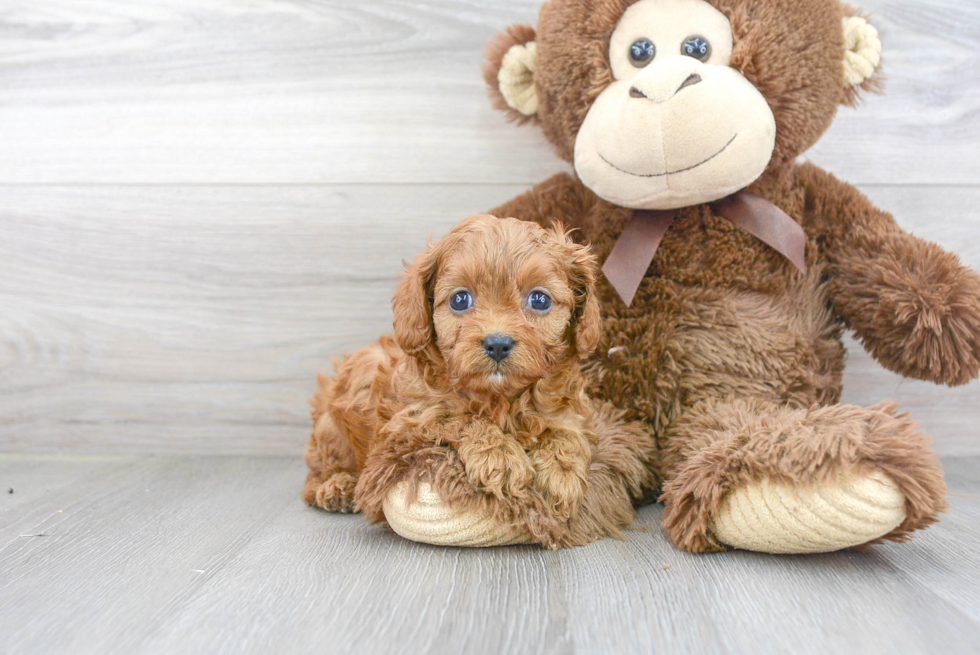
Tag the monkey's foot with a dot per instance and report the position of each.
(430, 521)
(821, 517)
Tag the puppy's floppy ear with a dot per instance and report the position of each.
(412, 303)
(581, 266)
(509, 72)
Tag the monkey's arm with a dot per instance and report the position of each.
(559, 198)
(914, 306)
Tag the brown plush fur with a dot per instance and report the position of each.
(517, 440)
(731, 356)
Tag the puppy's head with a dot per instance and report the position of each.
(499, 302)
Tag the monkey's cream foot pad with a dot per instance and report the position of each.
(774, 517)
(428, 520)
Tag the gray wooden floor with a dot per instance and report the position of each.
(201, 202)
(192, 554)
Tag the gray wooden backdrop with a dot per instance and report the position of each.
(201, 201)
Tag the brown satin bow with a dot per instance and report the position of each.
(634, 250)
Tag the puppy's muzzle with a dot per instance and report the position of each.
(498, 346)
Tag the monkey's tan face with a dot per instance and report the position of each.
(678, 126)
(502, 304)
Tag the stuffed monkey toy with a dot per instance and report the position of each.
(731, 269)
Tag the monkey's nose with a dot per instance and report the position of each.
(498, 346)
(691, 80)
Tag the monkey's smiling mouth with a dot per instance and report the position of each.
(681, 170)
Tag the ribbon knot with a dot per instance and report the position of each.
(633, 253)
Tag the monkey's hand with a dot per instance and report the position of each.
(919, 310)
(915, 307)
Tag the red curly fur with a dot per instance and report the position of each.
(514, 439)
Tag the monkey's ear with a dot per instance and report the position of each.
(509, 72)
(862, 56)
(582, 267)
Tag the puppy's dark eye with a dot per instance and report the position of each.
(460, 301)
(539, 301)
(642, 52)
(697, 47)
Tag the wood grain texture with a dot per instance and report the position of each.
(92, 566)
(219, 555)
(387, 91)
(194, 319)
(174, 319)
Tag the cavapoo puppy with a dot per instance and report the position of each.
(479, 393)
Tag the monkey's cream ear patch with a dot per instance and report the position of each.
(862, 50)
(430, 521)
(516, 78)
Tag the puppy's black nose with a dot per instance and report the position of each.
(498, 346)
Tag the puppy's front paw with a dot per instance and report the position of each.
(561, 481)
(496, 464)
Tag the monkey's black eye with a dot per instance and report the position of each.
(539, 301)
(460, 301)
(642, 52)
(697, 47)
